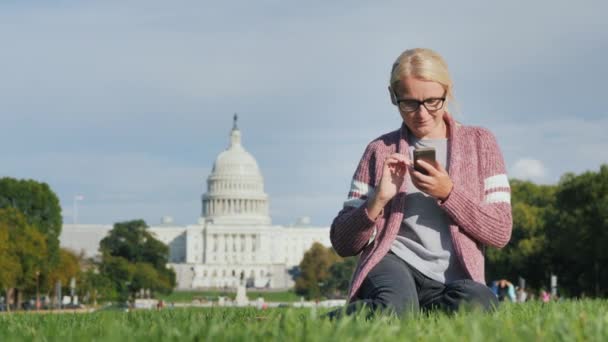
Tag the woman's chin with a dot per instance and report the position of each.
(421, 132)
(425, 130)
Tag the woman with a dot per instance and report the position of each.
(419, 235)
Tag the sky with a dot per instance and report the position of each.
(128, 103)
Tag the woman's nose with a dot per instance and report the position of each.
(422, 112)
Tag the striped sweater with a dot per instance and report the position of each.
(478, 207)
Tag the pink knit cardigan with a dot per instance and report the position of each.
(478, 206)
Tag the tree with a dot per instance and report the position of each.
(133, 259)
(96, 286)
(120, 272)
(9, 262)
(132, 241)
(526, 254)
(561, 230)
(25, 252)
(145, 276)
(40, 207)
(314, 269)
(579, 231)
(67, 268)
(340, 273)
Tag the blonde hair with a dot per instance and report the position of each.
(424, 64)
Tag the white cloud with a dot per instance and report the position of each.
(574, 144)
(528, 169)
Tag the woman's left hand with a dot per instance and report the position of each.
(437, 183)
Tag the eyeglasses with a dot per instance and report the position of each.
(431, 104)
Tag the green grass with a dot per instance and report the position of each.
(564, 321)
(269, 296)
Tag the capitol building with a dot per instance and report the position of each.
(234, 239)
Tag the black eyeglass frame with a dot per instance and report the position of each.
(420, 103)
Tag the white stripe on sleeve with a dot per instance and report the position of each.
(497, 181)
(498, 197)
(361, 187)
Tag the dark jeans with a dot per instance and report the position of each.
(396, 287)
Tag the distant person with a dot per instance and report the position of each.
(511, 292)
(494, 287)
(419, 229)
(522, 295)
(545, 296)
(506, 290)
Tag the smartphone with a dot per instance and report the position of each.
(425, 153)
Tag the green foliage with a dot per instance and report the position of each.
(41, 209)
(9, 260)
(133, 259)
(40, 206)
(67, 268)
(580, 232)
(95, 286)
(337, 283)
(132, 241)
(525, 255)
(314, 269)
(120, 272)
(558, 229)
(561, 321)
(25, 250)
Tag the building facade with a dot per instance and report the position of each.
(234, 240)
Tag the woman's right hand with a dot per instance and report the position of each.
(394, 171)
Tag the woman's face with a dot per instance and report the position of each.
(424, 123)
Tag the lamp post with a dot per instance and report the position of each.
(75, 208)
(37, 290)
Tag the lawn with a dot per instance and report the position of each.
(269, 296)
(563, 321)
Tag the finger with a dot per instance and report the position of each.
(392, 161)
(440, 167)
(416, 178)
(430, 169)
(421, 179)
(401, 157)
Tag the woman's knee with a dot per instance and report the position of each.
(470, 294)
(399, 301)
(391, 287)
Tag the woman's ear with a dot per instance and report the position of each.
(393, 95)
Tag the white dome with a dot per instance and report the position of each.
(235, 161)
(235, 188)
